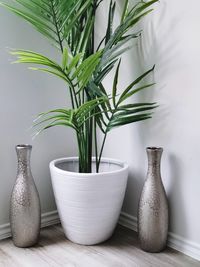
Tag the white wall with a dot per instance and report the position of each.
(23, 94)
(171, 40)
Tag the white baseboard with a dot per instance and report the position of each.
(5, 231)
(174, 241)
(47, 219)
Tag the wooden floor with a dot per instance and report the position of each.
(121, 250)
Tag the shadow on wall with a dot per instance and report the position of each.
(135, 180)
(155, 47)
(175, 189)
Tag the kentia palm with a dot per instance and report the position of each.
(70, 26)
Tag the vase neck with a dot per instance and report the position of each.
(23, 157)
(154, 157)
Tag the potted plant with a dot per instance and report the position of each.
(89, 191)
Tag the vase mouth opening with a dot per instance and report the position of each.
(154, 148)
(21, 146)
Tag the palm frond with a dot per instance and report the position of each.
(75, 71)
(123, 114)
(117, 43)
(85, 111)
(67, 117)
(54, 19)
(129, 91)
(124, 120)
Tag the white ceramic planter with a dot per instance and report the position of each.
(89, 205)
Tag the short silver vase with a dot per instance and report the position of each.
(25, 212)
(153, 206)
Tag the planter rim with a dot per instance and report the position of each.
(123, 165)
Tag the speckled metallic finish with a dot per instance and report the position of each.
(25, 213)
(153, 206)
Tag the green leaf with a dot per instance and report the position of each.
(110, 21)
(135, 105)
(94, 91)
(70, 12)
(51, 118)
(26, 56)
(100, 75)
(126, 91)
(29, 57)
(127, 95)
(133, 111)
(65, 58)
(85, 35)
(105, 105)
(75, 60)
(86, 69)
(125, 10)
(127, 120)
(143, 6)
(116, 55)
(59, 110)
(75, 18)
(114, 90)
(37, 22)
(56, 117)
(60, 123)
(84, 111)
(56, 73)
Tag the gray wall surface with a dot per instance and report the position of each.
(24, 94)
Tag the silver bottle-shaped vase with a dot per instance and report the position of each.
(25, 211)
(153, 206)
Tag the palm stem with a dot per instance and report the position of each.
(96, 144)
(71, 96)
(105, 136)
(101, 151)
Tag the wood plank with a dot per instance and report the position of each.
(122, 250)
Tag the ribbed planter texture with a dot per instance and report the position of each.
(89, 204)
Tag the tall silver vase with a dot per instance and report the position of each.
(25, 213)
(153, 206)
